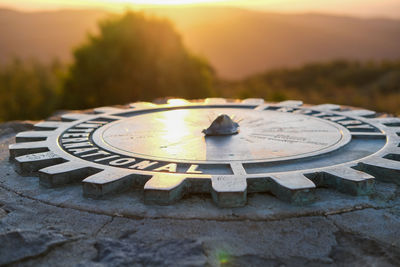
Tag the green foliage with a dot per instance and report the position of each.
(28, 89)
(133, 58)
(373, 85)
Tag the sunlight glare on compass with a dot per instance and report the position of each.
(173, 124)
(175, 131)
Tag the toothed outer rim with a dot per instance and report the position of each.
(40, 152)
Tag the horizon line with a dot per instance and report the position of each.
(127, 7)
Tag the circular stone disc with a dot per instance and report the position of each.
(263, 136)
(285, 149)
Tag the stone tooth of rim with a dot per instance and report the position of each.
(229, 192)
(64, 173)
(33, 162)
(346, 180)
(32, 136)
(177, 102)
(391, 122)
(290, 103)
(215, 100)
(383, 169)
(364, 127)
(20, 149)
(142, 105)
(101, 110)
(326, 107)
(112, 181)
(48, 125)
(292, 187)
(359, 113)
(334, 118)
(75, 117)
(393, 150)
(253, 101)
(350, 122)
(262, 107)
(164, 188)
(396, 130)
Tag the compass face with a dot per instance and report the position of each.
(286, 149)
(264, 135)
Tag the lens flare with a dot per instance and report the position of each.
(223, 257)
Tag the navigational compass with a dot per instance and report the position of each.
(226, 148)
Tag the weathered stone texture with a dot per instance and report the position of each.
(20, 245)
(131, 252)
(51, 228)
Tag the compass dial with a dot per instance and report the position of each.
(263, 136)
(285, 148)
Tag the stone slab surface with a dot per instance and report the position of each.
(59, 227)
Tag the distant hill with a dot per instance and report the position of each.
(237, 42)
(44, 35)
(372, 85)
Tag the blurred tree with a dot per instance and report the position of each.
(133, 58)
(29, 89)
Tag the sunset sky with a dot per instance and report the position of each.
(386, 8)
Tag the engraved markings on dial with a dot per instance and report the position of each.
(77, 141)
(353, 125)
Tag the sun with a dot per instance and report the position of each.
(170, 2)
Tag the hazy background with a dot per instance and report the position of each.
(371, 8)
(345, 52)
